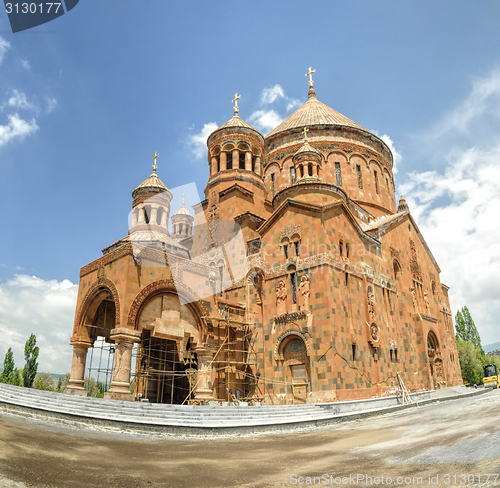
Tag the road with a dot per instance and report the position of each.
(432, 445)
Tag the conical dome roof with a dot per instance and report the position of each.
(313, 112)
(307, 148)
(235, 122)
(152, 185)
(183, 211)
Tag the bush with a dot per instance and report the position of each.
(43, 381)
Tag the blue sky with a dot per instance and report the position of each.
(87, 99)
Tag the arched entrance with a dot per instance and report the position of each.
(435, 361)
(293, 353)
(167, 361)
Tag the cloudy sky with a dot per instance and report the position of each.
(87, 99)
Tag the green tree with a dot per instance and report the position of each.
(470, 327)
(471, 363)
(43, 381)
(460, 327)
(16, 378)
(31, 352)
(8, 366)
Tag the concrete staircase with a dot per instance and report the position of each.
(188, 419)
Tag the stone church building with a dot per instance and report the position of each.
(299, 278)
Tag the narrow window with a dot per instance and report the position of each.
(294, 287)
(376, 181)
(292, 175)
(346, 278)
(353, 352)
(338, 176)
(218, 164)
(387, 182)
(310, 169)
(297, 247)
(254, 160)
(285, 249)
(395, 355)
(360, 181)
(302, 171)
(242, 160)
(273, 180)
(347, 247)
(229, 160)
(221, 278)
(390, 352)
(341, 247)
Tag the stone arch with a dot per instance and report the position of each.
(396, 268)
(169, 286)
(287, 336)
(101, 285)
(357, 156)
(432, 343)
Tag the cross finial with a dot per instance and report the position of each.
(310, 74)
(305, 131)
(235, 101)
(154, 159)
(183, 195)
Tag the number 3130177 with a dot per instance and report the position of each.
(32, 8)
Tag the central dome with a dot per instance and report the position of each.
(313, 112)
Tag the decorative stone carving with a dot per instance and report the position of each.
(373, 335)
(281, 297)
(289, 231)
(426, 300)
(371, 302)
(414, 264)
(304, 289)
(213, 212)
(414, 298)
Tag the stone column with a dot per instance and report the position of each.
(164, 221)
(154, 214)
(120, 385)
(141, 218)
(315, 170)
(223, 159)
(236, 159)
(213, 166)
(75, 385)
(248, 161)
(204, 387)
(257, 166)
(134, 217)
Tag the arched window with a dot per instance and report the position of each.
(396, 269)
(242, 160)
(292, 175)
(338, 175)
(358, 173)
(229, 160)
(433, 287)
(310, 169)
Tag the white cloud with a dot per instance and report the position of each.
(396, 156)
(484, 98)
(51, 104)
(26, 64)
(265, 120)
(16, 128)
(4, 46)
(199, 141)
(19, 100)
(45, 308)
(457, 206)
(269, 95)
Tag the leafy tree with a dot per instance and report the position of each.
(466, 329)
(43, 381)
(460, 327)
(471, 363)
(16, 378)
(31, 352)
(8, 366)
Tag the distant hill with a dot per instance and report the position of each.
(491, 347)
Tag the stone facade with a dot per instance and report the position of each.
(340, 291)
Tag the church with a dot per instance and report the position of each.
(298, 279)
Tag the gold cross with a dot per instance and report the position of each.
(154, 159)
(183, 195)
(235, 101)
(306, 130)
(310, 74)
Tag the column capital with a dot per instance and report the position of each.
(124, 334)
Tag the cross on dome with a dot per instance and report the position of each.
(310, 74)
(235, 101)
(154, 164)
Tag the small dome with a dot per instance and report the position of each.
(403, 206)
(235, 122)
(152, 185)
(306, 148)
(182, 212)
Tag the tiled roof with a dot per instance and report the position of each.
(182, 211)
(152, 182)
(235, 121)
(313, 112)
(306, 148)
